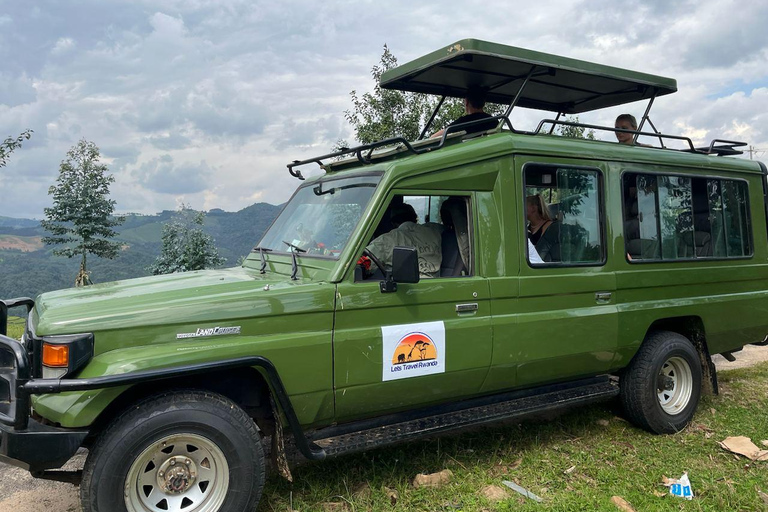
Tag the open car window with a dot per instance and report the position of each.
(440, 231)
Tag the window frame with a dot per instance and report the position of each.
(691, 177)
(601, 216)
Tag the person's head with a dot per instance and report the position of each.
(475, 99)
(625, 122)
(453, 204)
(536, 208)
(402, 213)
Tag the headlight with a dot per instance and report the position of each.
(65, 355)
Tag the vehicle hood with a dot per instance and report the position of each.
(201, 298)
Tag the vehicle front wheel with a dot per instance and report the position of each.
(189, 451)
(661, 387)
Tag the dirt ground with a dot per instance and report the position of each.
(19, 492)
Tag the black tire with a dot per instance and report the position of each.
(200, 442)
(665, 359)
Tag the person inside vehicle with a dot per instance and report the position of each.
(425, 238)
(543, 230)
(474, 103)
(627, 122)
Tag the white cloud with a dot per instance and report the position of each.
(210, 100)
(63, 45)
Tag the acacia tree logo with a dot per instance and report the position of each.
(415, 346)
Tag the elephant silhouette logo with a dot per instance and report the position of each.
(415, 346)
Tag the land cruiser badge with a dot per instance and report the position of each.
(212, 331)
(412, 350)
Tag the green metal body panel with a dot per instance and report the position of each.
(136, 323)
(532, 325)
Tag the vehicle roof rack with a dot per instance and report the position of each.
(365, 152)
(721, 147)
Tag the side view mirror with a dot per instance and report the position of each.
(405, 269)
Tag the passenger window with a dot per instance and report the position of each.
(563, 210)
(679, 217)
(439, 227)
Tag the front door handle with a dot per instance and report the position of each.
(466, 308)
(603, 297)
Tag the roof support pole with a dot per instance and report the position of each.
(519, 93)
(645, 117)
(661, 139)
(432, 117)
(552, 128)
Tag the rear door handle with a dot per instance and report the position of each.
(466, 308)
(603, 296)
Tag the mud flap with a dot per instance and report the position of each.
(278, 445)
(709, 374)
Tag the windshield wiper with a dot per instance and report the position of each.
(294, 262)
(262, 250)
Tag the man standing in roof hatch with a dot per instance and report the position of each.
(474, 103)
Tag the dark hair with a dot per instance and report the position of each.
(476, 96)
(453, 203)
(629, 118)
(541, 206)
(402, 213)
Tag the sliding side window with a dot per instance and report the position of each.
(681, 218)
(563, 214)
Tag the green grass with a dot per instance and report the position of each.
(612, 458)
(15, 327)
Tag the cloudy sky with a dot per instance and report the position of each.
(207, 101)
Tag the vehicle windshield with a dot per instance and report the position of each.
(320, 217)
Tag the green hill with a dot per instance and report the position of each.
(26, 274)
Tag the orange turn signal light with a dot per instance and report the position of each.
(55, 356)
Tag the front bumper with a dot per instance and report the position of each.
(25, 442)
(39, 447)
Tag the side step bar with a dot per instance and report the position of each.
(359, 436)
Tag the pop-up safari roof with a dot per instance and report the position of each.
(557, 84)
(516, 77)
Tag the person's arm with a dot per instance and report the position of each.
(437, 134)
(381, 247)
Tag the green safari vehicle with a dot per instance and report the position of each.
(655, 259)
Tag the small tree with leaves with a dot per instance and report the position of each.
(10, 144)
(386, 113)
(185, 245)
(574, 132)
(81, 217)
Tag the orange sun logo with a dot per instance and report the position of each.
(415, 346)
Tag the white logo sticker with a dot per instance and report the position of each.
(213, 331)
(412, 350)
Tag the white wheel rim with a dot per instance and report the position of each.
(178, 473)
(674, 385)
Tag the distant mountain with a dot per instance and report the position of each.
(27, 267)
(10, 222)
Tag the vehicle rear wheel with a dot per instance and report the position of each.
(189, 451)
(661, 387)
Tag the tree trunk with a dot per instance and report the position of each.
(82, 278)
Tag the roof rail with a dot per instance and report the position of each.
(368, 149)
(726, 147)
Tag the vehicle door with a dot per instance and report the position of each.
(567, 322)
(427, 342)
